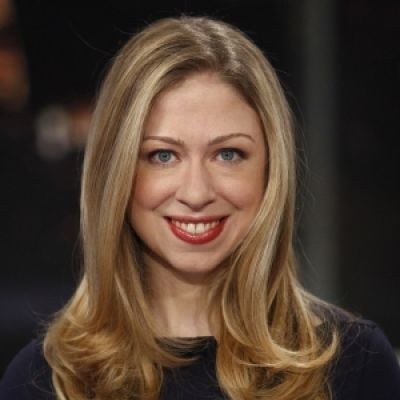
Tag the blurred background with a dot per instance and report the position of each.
(339, 61)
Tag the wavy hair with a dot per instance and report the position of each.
(273, 338)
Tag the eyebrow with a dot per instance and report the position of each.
(223, 138)
(216, 140)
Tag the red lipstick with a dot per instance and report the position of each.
(200, 238)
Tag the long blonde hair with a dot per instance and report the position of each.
(103, 344)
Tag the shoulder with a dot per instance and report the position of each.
(366, 366)
(28, 376)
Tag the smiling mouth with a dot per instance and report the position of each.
(195, 228)
(197, 232)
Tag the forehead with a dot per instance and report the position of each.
(201, 106)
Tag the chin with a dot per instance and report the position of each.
(194, 268)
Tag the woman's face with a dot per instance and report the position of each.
(200, 176)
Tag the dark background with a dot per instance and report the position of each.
(340, 64)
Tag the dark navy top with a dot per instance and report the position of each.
(366, 369)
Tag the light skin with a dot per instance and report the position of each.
(202, 162)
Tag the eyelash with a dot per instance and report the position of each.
(153, 154)
(239, 155)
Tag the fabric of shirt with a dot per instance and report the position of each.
(365, 369)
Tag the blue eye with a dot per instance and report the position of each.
(164, 156)
(227, 155)
(230, 155)
(161, 156)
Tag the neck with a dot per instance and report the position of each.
(179, 304)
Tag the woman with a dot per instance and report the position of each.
(189, 287)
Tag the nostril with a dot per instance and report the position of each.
(195, 188)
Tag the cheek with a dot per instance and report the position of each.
(244, 194)
(246, 188)
(149, 191)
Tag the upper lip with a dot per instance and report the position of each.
(197, 219)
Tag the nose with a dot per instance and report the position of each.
(195, 187)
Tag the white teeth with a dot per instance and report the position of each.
(191, 228)
(200, 228)
(195, 229)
